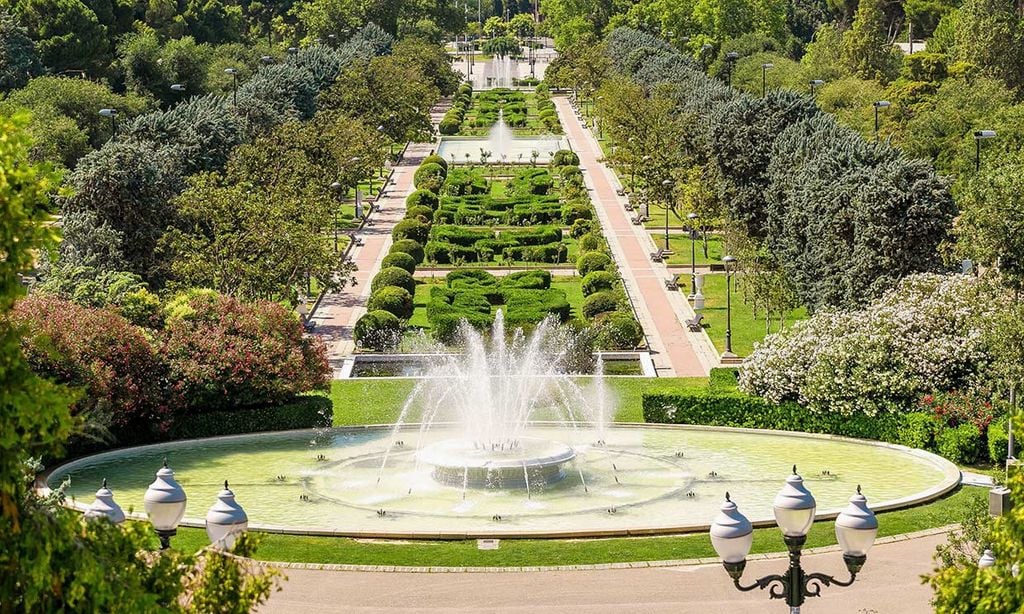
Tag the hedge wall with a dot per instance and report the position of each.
(303, 413)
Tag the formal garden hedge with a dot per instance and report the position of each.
(452, 120)
(303, 413)
(722, 404)
(451, 244)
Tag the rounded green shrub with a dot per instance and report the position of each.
(537, 279)
(419, 212)
(590, 242)
(563, 157)
(401, 260)
(409, 246)
(600, 302)
(589, 262)
(393, 276)
(619, 331)
(961, 444)
(429, 177)
(378, 330)
(424, 198)
(598, 281)
(436, 159)
(918, 430)
(998, 440)
(392, 299)
(411, 229)
(581, 227)
(449, 126)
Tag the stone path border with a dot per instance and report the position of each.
(679, 352)
(628, 565)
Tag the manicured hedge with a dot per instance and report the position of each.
(393, 276)
(377, 330)
(618, 331)
(593, 261)
(420, 212)
(539, 235)
(465, 181)
(302, 413)
(396, 301)
(411, 229)
(408, 246)
(458, 235)
(564, 157)
(600, 302)
(400, 260)
(597, 281)
(429, 177)
(534, 280)
(425, 198)
(435, 159)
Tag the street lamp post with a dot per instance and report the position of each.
(732, 536)
(178, 87)
(764, 77)
(164, 502)
(692, 216)
(267, 60)
(731, 58)
(667, 184)
(104, 506)
(980, 135)
(336, 188)
(879, 104)
(705, 50)
(112, 114)
(813, 83)
(729, 268)
(225, 520)
(234, 82)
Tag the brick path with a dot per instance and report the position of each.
(677, 351)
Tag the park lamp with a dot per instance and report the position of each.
(178, 87)
(104, 506)
(108, 112)
(882, 104)
(225, 520)
(267, 59)
(165, 504)
(293, 50)
(732, 56)
(856, 529)
(984, 134)
(732, 535)
(987, 560)
(231, 71)
(794, 507)
(767, 65)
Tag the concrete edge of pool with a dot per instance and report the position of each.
(951, 479)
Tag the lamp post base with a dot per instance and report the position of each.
(165, 537)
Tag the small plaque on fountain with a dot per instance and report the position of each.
(488, 544)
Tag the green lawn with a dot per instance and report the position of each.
(746, 330)
(573, 288)
(529, 552)
(682, 247)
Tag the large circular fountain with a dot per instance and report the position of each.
(499, 441)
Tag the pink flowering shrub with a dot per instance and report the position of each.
(223, 353)
(122, 379)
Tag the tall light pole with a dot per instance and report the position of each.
(731, 58)
(112, 114)
(692, 216)
(336, 188)
(980, 135)
(165, 502)
(729, 266)
(880, 104)
(178, 87)
(647, 201)
(764, 77)
(667, 184)
(732, 536)
(234, 81)
(813, 83)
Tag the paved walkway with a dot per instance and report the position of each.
(890, 584)
(677, 351)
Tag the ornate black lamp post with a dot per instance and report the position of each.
(732, 536)
(693, 253)
(980, 135)
(729, 262)
(879, 104)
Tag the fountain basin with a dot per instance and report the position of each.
(636, 472)
(460, 462)
(517, 150)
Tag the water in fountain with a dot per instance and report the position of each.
(499, 137)
(489, 394)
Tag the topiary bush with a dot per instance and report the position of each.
(962, 445)
(392, 299)
(593, 261)
(600, 302)
(531, 280)
(377, 330)
(424, 198)
(409, 246)
(306, 412)
(429, 177)
(591, 242)
(420, 212)
(393, 276)
(449, 126)
(401, 260)
(581, 227)
(598, 281)
(436, 159)
(619, 331)
(411, 229)
(564, 157)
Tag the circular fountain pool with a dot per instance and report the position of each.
(629, 479)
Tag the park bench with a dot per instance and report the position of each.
(357, 241)
(620, 192)
(639, 219)
(694, 323)
(672, 283)
(656, 256)
(628, 206)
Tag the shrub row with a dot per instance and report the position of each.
(546, 109)
(963, 444)
(303, 413)
(452, 120)
(531, 182)
(449, 244)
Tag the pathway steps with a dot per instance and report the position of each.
(677, 351)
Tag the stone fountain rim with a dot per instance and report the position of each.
(951, 479)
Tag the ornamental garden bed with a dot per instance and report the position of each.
(527, 114)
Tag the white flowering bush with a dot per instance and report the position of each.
(924, 335)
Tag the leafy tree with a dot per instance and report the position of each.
(251, 243)
(68, 34)
(18, 58)
(925, 15)
(988, 34)
(867, 50)
(431, 60)
(211, 21)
